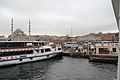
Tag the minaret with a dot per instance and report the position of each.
(71, 32)
(12, 26)
(29, 28)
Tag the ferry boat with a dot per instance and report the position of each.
(16, 52)
(105, 51)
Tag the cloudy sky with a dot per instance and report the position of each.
(57, 17)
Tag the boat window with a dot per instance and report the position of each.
(0, 54)
(103, 49)
(11, 44)
(29, 44)
(37, 51)
(114, 49)
(35, 44)
(8, 53)
(29, 52)
(43, 44)
(42, 50)
(47, 50)
(39, 44)
(59, 48)
(15, 53)
(92, 49)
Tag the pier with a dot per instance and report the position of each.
(104, 58)
(75, 54)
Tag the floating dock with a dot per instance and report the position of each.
(103, 58)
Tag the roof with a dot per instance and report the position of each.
(20, 41)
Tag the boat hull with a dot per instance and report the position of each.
(29, 58)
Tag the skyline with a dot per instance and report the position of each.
(57, 17)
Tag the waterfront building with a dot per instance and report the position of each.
(109, 37)
(98, 37)
(89, 37)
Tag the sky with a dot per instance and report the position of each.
(57, 17)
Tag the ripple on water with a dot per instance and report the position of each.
(65, 68)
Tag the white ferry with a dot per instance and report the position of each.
(105, 51)
(16, 52)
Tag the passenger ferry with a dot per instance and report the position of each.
(16, 52)
(105, 51)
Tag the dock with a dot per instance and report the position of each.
(75, 54)
(103, 58)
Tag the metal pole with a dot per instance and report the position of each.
(116, 8)
(118, 73)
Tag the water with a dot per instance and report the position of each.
(65, 68)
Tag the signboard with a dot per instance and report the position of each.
(71, 45)
(105, 44)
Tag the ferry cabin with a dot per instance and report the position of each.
(105, 52)
(9, 48)
(71, 46)
(107, 48)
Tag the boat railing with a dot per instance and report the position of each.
(14, 49)
(19, 47)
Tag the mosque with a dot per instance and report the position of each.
(19, 35)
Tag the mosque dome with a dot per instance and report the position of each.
(18, 31)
